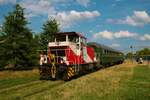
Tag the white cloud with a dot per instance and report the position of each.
(111, 35)
(48, 7)
(105, 34)
(37, 7)
(83, 2)
(7, 2)
(68, 18)
(139, 18)
(145, 37)
(124, 34)
(115, 45)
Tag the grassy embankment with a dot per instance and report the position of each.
(13, 78)
(121, 82)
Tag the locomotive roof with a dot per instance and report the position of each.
(103, 47)
(70, 33)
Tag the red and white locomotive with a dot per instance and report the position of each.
(68, 55)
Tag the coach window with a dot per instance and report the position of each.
(103, 51)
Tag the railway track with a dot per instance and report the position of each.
(45, 88)
(16, 87)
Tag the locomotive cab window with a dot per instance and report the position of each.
(72, 38)
(61, 38)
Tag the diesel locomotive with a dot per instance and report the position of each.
(69, 55)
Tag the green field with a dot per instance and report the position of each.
(120, 82)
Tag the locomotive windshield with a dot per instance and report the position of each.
(60, 38)
(74, 39)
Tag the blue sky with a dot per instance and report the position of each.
(115, 23)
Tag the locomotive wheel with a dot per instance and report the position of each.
(48, 73)
(42, 74)
(65, 76)
(40, 71)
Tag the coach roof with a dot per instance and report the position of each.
(103, 47)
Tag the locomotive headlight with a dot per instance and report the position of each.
(61, 61)
(65, 60)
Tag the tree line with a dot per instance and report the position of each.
(142, 52)
(19, 46)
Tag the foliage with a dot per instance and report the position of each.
(16, 49)
(49, 28)
(17, 44)
(2, 49)
(144, 51)
(35, 47)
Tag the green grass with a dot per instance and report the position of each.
(138, 87)
(21, 84)
(121, 82)
(17, 78)
(9, 82)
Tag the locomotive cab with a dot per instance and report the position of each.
(65, 43)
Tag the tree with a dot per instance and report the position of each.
(2, 49)
(35, 48)
(144, 51)
(17, 47)
(49, 28)
(2, 37)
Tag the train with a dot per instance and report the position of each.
(69, 55)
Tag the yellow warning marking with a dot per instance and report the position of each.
(71, 69)
(69, 75)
